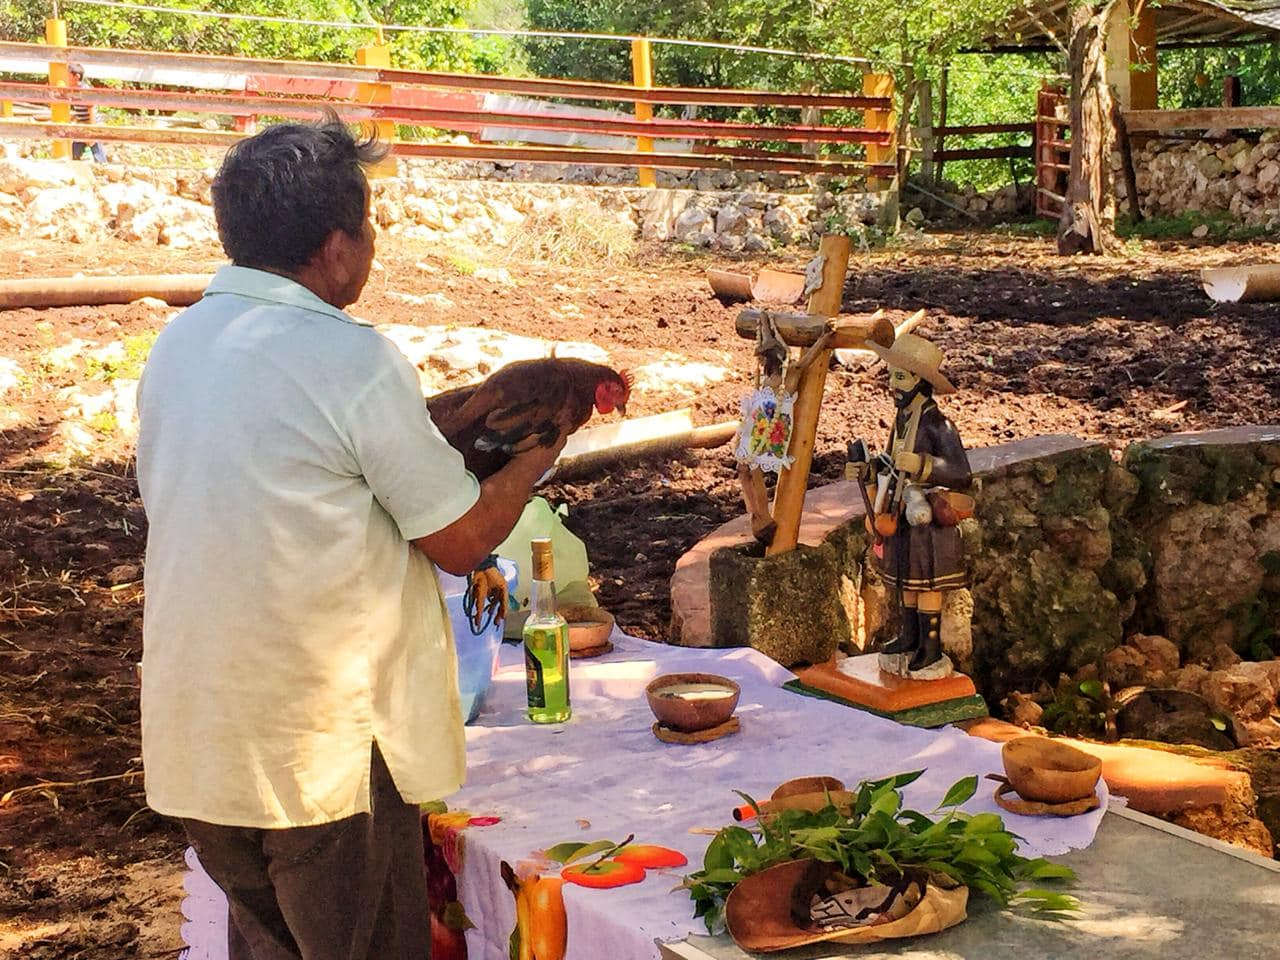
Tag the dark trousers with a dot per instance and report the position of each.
(350, 890)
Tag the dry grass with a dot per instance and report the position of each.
(572, 236)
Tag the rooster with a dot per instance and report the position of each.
(525, 404)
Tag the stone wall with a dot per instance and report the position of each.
(81, 202)
(1072, 556)
(1240, 177)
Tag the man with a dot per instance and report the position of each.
(84, 113)
(299, 688)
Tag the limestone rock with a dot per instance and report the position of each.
(770, 603)
(731, 220)
(694, 225)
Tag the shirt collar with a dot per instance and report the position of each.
(273, 288)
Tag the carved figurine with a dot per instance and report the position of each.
(916, 506)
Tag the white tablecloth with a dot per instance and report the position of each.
(605, 768)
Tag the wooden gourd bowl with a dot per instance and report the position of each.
(589, 627)
(1048, 771)
(690, 716)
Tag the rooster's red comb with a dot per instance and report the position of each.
(628, 378)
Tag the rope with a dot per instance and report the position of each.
(541, 34)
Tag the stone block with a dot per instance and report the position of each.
(786, 606)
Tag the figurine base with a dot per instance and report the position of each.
(919, 703)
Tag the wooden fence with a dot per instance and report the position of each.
(372, 91)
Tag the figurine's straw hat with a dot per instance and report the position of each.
(915, 355)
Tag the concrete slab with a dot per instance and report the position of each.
(1150, 891)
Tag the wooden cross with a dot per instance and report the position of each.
(820, 331)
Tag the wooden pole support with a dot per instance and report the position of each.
(55, 34)
(880, 85)
(642, 77)
(378, 55)
(804, 329)
(788, 504)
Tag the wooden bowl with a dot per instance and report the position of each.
(690, 702)
(589, 627)
(1049, 771)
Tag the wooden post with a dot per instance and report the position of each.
(642, 77)
(940, 146)
(378, 55)
(788, 504)
(928, 172)
(1144, 80)
(55, 34)
(880, 85)
(1231, 91)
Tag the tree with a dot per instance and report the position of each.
(1088, 222)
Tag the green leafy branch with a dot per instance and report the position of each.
(877, 840)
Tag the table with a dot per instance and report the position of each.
(1150, 890)
(604, 775)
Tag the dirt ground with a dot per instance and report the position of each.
(1114, 350)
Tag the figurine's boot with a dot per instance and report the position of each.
(908, 637)
(929, 651)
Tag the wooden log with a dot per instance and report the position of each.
(595, 461)
(1242, 284)
(1202, 118)
(805, 329)
(788, 505)
(177, 290)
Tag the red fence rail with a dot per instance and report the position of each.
(347, 93)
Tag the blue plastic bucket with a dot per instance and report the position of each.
(477, 655)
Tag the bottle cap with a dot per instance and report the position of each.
(543, 562)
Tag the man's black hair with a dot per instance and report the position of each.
(279, 194)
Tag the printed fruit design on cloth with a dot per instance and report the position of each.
(442, 841)
(541, 931)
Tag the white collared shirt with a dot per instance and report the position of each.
(285, 460)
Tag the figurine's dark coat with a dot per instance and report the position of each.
(928, 557)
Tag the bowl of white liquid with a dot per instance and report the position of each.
(689, 702)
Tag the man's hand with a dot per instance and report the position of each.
(459, 547)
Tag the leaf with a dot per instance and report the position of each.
(1044, 870)
(572, 851)
(721, 876)
(960, 792)
(561, 852)
(1092, 689)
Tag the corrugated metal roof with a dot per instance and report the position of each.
(1044, 23)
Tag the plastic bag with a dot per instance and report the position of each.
(541, 520)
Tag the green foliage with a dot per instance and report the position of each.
(876, 839)
(110, 27)
(1078, 708)
(1222, 226)
(1193, 78)
(128, 366)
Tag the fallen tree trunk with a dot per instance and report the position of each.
(597, 460)
(177, 290)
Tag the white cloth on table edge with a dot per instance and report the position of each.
(529, 776)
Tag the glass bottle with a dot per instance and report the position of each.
(546, 644)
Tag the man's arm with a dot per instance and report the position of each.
(462, 545)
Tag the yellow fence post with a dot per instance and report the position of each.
(880, 85)
(642, 77)
(378, 55)
(55, 34)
